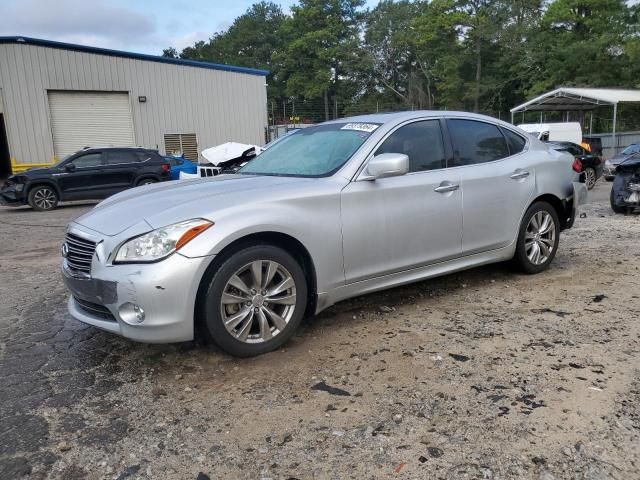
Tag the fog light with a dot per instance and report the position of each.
(131, 313)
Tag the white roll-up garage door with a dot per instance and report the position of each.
(85, 119)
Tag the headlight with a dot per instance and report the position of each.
(161, 242)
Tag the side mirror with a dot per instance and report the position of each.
(70, 167)
(387, 165)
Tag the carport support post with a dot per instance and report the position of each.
(615, 119)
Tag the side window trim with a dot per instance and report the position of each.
(448, 143)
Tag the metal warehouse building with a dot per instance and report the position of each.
(56, 98)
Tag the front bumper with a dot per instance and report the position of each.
(166, 291)
(10, 196)
(609, 171)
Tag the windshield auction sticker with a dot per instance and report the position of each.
(360, 127)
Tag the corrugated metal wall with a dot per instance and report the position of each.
(216, 105)
(623, 140)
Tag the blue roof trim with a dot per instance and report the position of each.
(135, 56)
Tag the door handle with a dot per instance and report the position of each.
(519, 174)
(446, 187)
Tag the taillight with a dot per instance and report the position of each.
(165, 167)
(577, 165)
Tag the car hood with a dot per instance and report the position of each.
(37, 171)
(618, 158)
(170, 202)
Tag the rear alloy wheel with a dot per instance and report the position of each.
(43, 198)
(538, 238)
(147, 181)
(590, 177)
(255, 301)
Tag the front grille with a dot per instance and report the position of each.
(79, 253)
(95, 309)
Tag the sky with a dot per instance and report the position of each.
(142, 26)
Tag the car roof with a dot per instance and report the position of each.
(396, 117)
(112, 147)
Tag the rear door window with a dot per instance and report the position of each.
(117, 157)
(515, 142)
(145, 156)
(476, 142)
(421, 142)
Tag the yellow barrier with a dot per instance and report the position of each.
(21, 167)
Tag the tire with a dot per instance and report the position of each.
(614, 207)
(256, 331)
(527, 243)
(590, 178)
(146, 181)
(43, 198)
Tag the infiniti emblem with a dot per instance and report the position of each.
(65, 250)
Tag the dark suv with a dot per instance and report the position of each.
(91, 173)
(592, 163)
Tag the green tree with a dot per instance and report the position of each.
(582, 43)
(511, 66)
(389, 54)
(323, 48)
(250, 41)
(436, 34)
(170, 52)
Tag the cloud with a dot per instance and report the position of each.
(77, 21)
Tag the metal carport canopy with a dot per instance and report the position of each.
(571, 99)
(586, 99)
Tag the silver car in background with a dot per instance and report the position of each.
(332, 211)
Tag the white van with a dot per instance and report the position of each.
(555, 132)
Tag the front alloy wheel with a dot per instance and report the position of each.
(43, 198)
(255, 299)
(258, 301)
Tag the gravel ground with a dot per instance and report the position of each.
(481, 374)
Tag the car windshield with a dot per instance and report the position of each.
(316, 151)
(631, 149)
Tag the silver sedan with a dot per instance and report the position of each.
(333, 211)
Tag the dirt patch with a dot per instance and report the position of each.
(481, 374)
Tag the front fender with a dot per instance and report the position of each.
(41, 181)
(316, 225)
